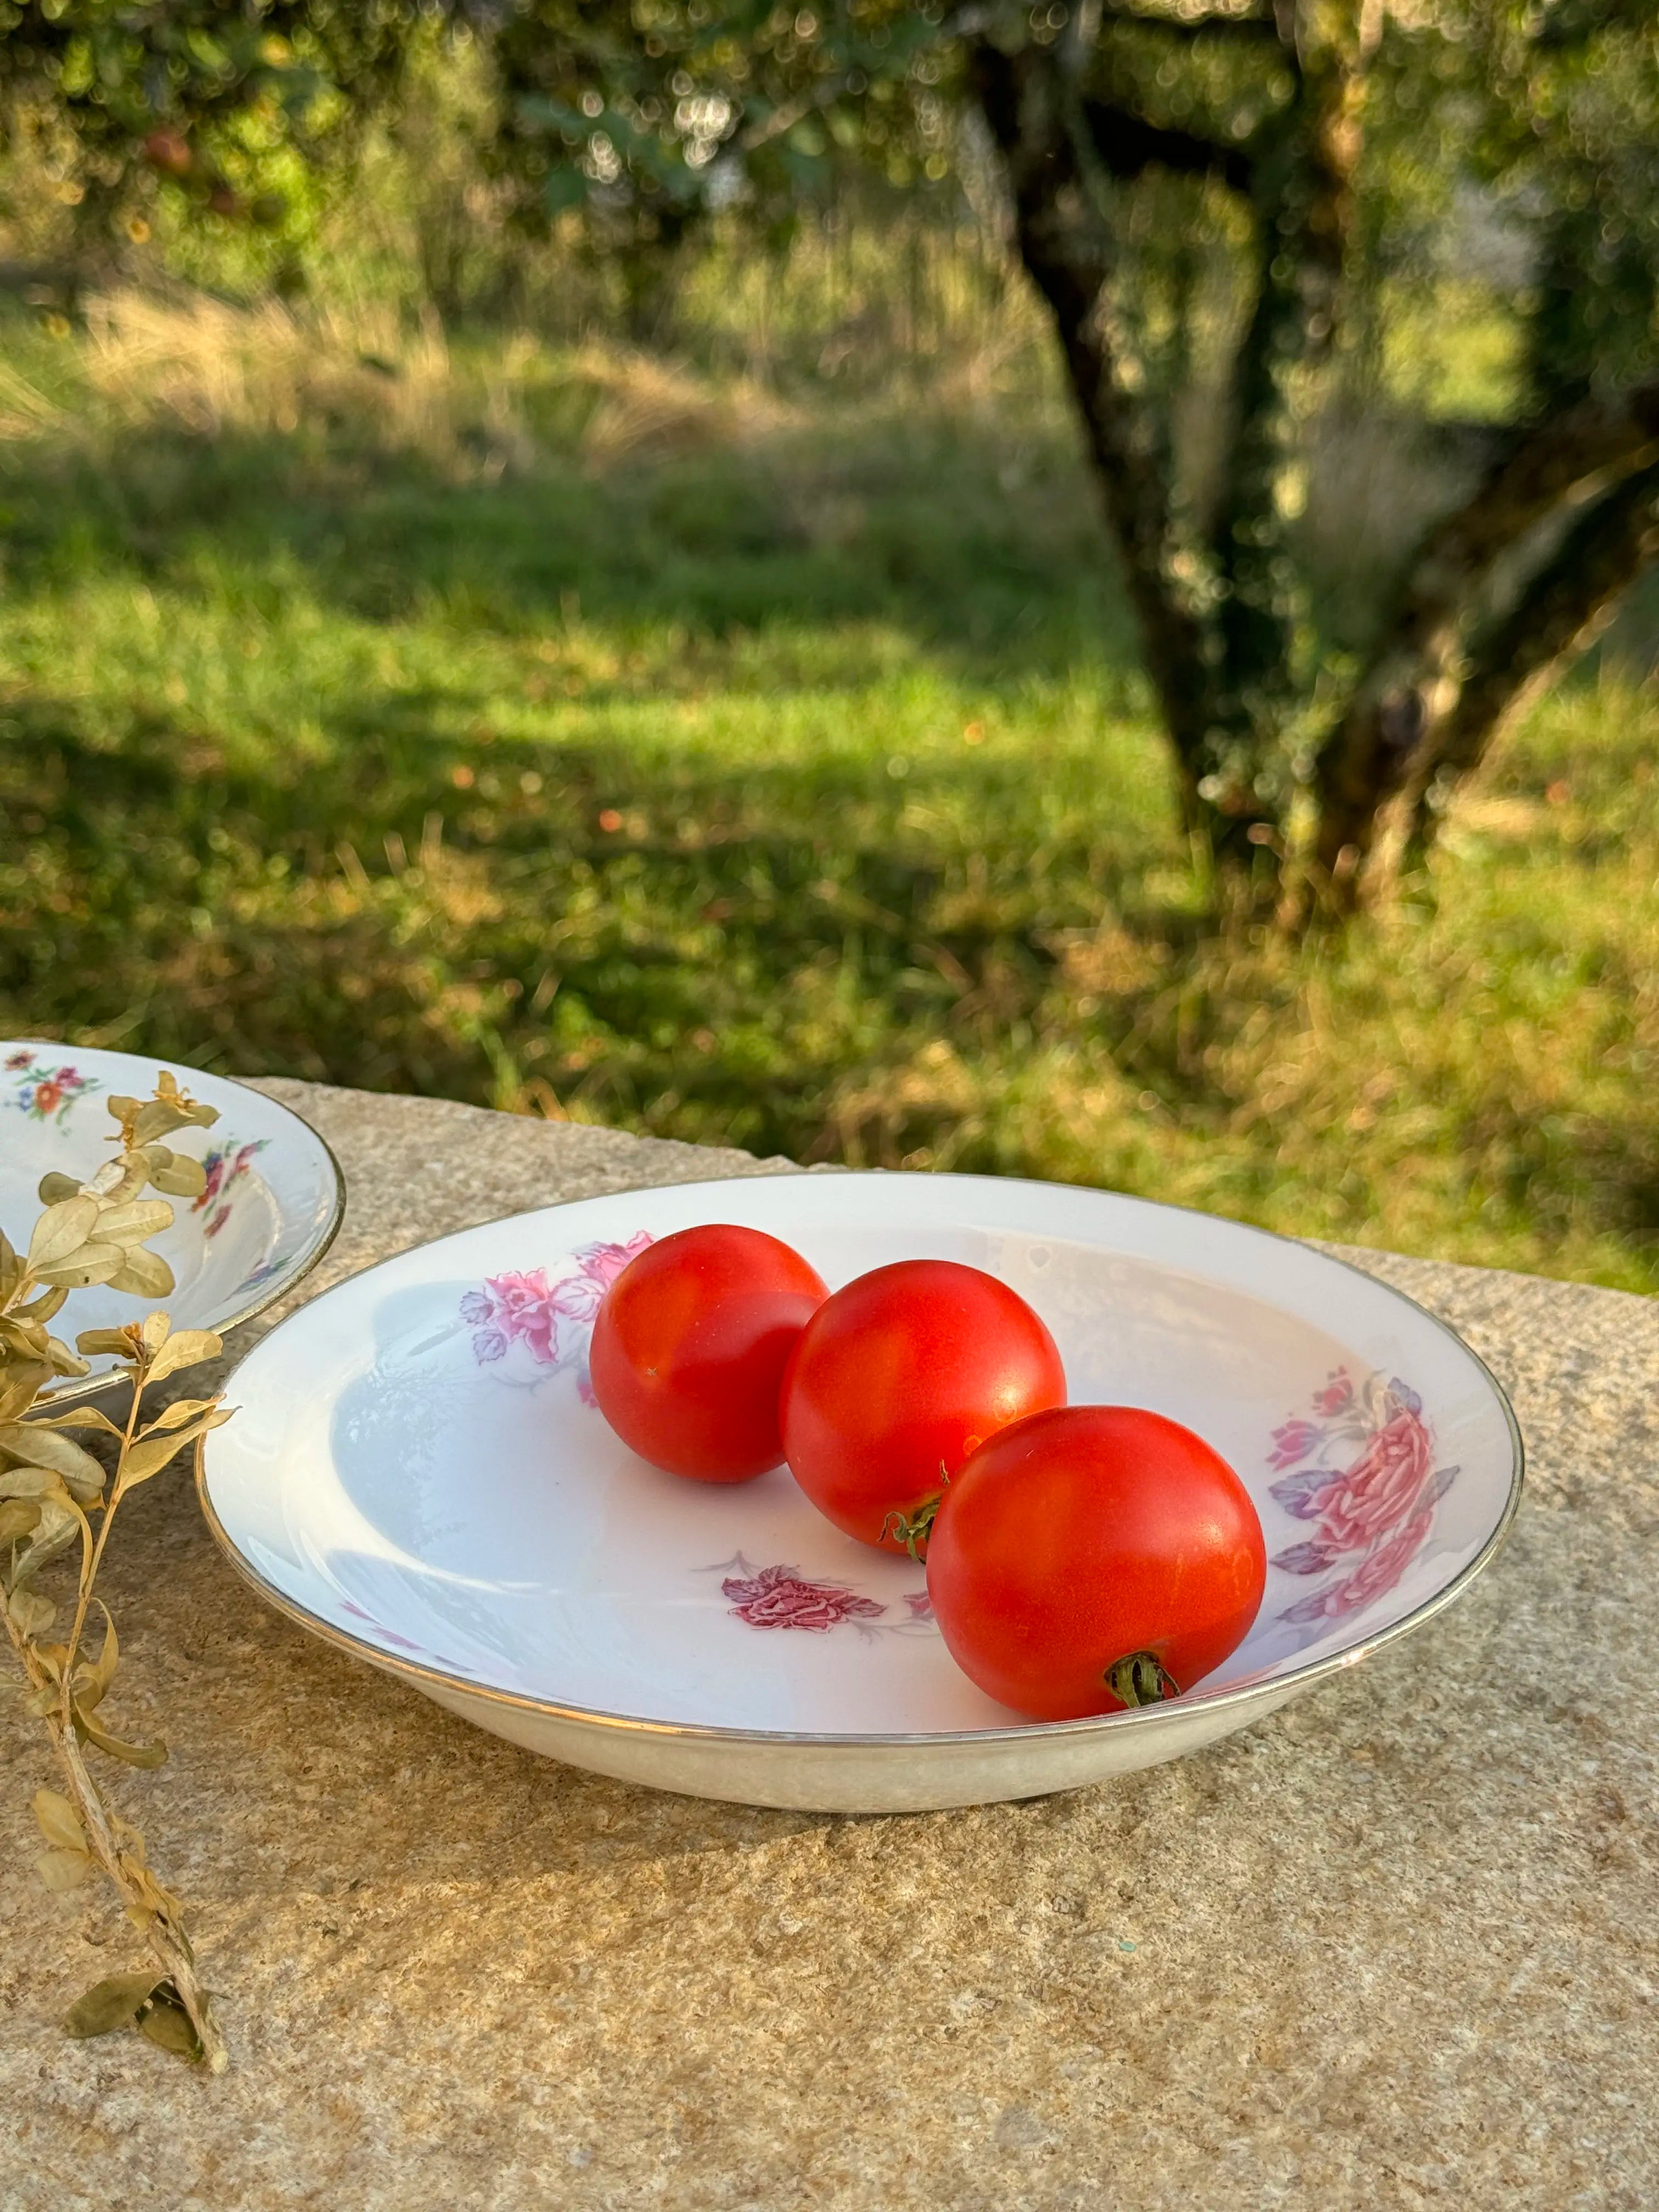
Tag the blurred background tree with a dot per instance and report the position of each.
(1228, 209)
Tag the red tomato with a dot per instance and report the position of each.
(897, 1379)
(691, 1345)
(1094, 1558)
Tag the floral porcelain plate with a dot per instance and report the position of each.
(418, 1474)
(271, 1204)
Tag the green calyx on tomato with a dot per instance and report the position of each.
(1140, 1679)
(912, 1529)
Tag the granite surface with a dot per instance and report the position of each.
(1396, 1946)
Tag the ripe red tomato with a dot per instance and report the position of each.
(1094, 1558)
(689, 1347)
(897, 1379)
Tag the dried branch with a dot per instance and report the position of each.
(52, 1488)
(82, 1827)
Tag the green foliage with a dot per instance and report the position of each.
(190, 69)
(214, 102)
(642, 117)
(1226, 211)
(646, 115)
(1567, 143)
(651, 113)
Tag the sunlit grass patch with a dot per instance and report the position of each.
(761, 776)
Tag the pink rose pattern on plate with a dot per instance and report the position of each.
(225, 1165)
(782, 1597)
(554, 1321)
(1364, 1474)
(391, 1636)
(46, 1094)
(786, 1598)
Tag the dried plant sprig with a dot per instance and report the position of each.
(53, 1498)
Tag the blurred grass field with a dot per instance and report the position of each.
(567, 731)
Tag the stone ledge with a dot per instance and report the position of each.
(1396, 1946)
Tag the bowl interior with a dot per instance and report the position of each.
(417, 1464)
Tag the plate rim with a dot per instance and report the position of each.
(1278, 1688)
(86, 1386)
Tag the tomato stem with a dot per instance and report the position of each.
(1141, 1680)
(913, 1529)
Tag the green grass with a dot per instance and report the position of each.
(741, 776)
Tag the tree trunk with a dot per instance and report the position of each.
(1221, 623)
(1440, 682)
(1502, 593)
(1062, 246)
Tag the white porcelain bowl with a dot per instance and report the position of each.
(417, 1472)
(273, 1199)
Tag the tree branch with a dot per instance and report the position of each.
(1409, 685)
(1128, 144)
(978, 19)
(1576, 23)
(1302, 173)
(1023, 99)
(1566, 607)
(1255, 620)
(1545, 466)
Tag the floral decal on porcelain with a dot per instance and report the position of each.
(553, 1320)
(391, 1636)
(46, 1094)
(257, 1277)
(782, 1597)
(225, 1165)
(1364, 1474)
